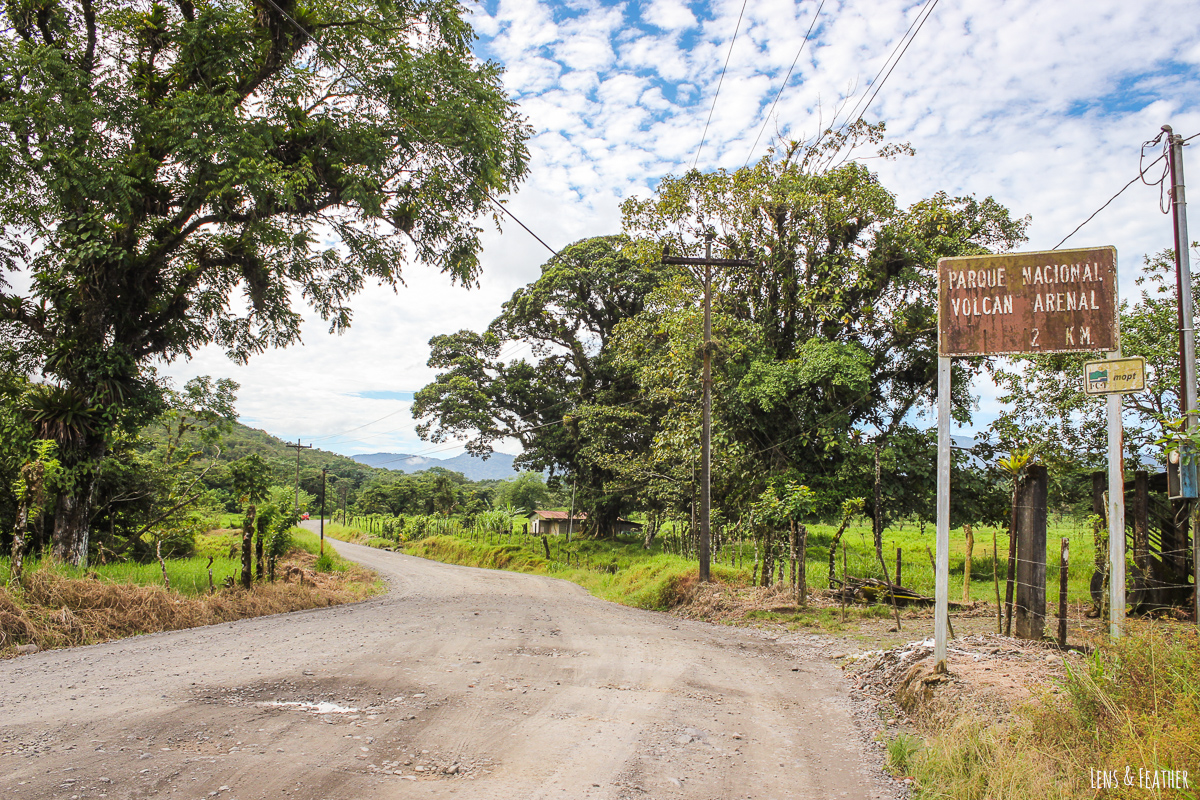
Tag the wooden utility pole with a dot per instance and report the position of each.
(571, 513)
(298, 447)
(323, 471)
(1187, 342)
(707, 263)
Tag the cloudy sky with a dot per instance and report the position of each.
(1043, 105)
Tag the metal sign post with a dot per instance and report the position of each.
(1116, 516)
(941, 614)
(1056, 301)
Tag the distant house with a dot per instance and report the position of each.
(550, 523)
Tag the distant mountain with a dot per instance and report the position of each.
(497, 467)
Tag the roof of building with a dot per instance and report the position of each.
(540, 514)
(562, 515)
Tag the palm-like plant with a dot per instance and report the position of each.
(59, 413)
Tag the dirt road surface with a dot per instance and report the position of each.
(459, 683)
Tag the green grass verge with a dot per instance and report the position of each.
(620, 571)
(917, 573)
(188, 576)
(345, 533)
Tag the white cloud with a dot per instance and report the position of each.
(1042, 105)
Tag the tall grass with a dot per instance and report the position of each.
(1134, 703)
(188, 576)
(59, 606)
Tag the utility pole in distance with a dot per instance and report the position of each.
(708, 262)
(323, 471)
(298, 447)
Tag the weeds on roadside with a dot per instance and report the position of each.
(1133, 703)
(902, 750)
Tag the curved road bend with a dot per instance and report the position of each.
(458, 683)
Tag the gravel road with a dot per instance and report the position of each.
(458, 682)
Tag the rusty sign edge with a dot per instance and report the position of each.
(991, 257)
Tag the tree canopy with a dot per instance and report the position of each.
(568, 317)
(179, 174)
(821, 349)
(829, 341)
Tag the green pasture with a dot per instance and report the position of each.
(188, 576)
(621, 569)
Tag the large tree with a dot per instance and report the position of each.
(567, 317)
(841, 297)
(179, 174)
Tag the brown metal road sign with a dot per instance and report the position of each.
(1054, 301)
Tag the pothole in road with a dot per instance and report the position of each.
(322, 707)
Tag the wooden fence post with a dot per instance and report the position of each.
(967, 563)
(1064, 559)
(996, 582)
(1030, 611)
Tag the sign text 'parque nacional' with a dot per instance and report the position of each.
(1054, 301)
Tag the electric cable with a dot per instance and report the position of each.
(720, 80)
(1141, 176)
(513, 433)
(786, 78)
(499, 206)
(352, 430)
(877, 84)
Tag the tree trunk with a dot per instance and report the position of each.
(768, 561)
(877, 517)
(258, 551)
(70, 537)
(18, 543)
(792, 559)
(73, 515)
(754, 569)
(837, 537)
(248, 546)
(802, 561)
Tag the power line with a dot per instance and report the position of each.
(525, 416)
(513, 433)
(720, 80)
(500, 206)
(509, 351)
(786, 78)
(1139, 177)
(906, 40)
(352, 430)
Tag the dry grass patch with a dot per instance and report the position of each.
(1021, 720)
(52, 610)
